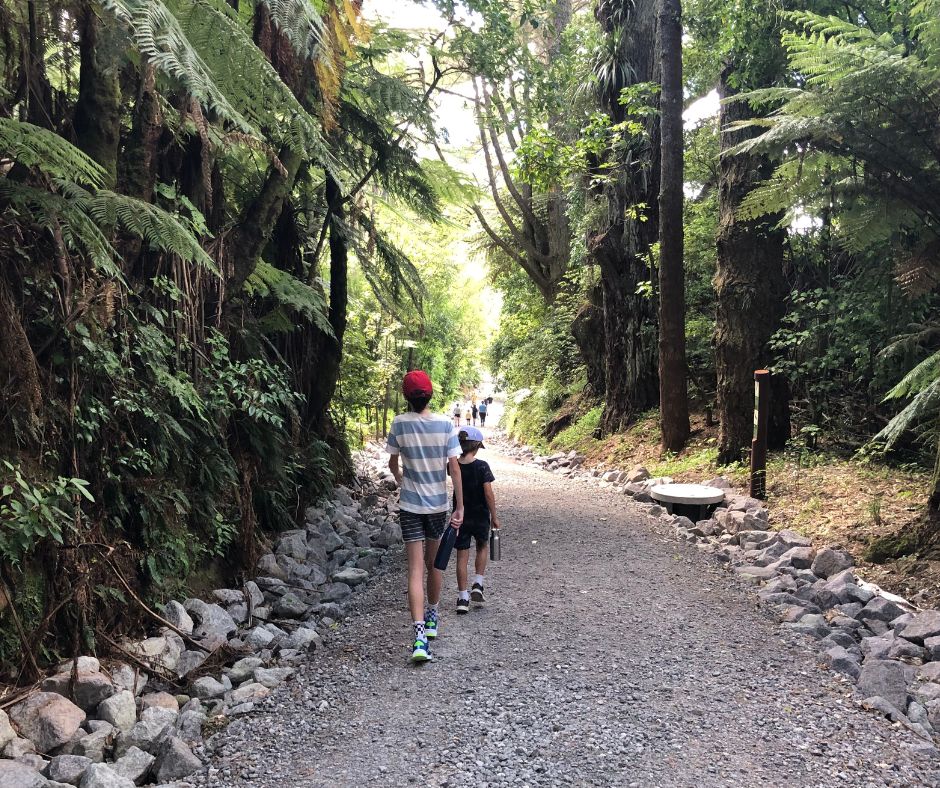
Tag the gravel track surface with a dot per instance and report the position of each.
(607, 654)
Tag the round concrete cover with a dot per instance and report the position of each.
(694, 494)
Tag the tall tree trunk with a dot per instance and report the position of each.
(97, 119)
(587, 328)
(19, 374)
(622, 247)
(750, 289)
(673, 387)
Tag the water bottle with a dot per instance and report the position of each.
(445, 548)
(494, 545)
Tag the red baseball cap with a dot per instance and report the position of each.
(417, 384)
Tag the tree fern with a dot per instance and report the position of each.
(34, 146)
(287, 291)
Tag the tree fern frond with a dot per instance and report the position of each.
(920, 410)
(266, 281)
(918, 379)
(34, 146)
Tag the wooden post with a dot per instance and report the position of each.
(759, 441)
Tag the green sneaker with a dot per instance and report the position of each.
(430, 623)
(421, 651)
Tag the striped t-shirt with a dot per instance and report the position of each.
(425, 442)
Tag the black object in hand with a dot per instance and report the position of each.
(445, 548)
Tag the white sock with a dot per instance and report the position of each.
(419, 630)
(464, 594)
(478, 579)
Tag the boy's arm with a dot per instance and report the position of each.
(454, 468)
(491, 504)
(394, 468)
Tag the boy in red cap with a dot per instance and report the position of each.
(427, 445)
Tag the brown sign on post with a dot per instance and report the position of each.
(759, 441)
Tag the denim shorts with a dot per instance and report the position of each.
(418, 527)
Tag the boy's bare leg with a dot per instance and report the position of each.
(483, 557)
(435, 576)
(463, 579)
(416, 579)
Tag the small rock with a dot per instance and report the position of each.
(291, 606)
(17, 747)
(7, 734)
(830, 561)
(176, 614)
(885, 679)
(244, 669)
(100, 776)
(247, 693)
(207, 687)
(351, 576)
(84, 665)
(120, 710)
(135, 765)
(95, 745)
(880, 609)
(18, 775)
(922, 626)
(335, 592)
(268, 567)
(175, 761)
(68, 768)
(303, 639)
(189, 661)
(271, 677)
(162, 699)
(129, 678)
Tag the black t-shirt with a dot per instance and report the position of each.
(474, 475)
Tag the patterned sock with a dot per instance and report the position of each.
(433, 608)
(419, 630)
(478, 579)
(464, 594)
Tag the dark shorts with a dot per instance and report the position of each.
(473, 528)
(418, 527)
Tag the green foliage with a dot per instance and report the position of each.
(34, 511)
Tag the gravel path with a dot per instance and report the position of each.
(608, 654)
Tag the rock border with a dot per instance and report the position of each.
(119, 724)
(877, 640)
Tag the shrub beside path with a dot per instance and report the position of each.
(608, 654)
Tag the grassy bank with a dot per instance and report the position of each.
(862, 504)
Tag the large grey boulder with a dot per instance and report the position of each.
(258, 638)
(207, 687)
(18, 775)
(68, 768)
(351, 576)
(271, 677)
(885, 679)
(189, 661)
(830, 561)
(211, 620)
(134, 765)
(96, 745)
(335, 592)
(293, 544)
(48, 720)
(126, 677)
(120, 710)
(268, 566)
(880, 609)
(7, 734)
(922, 626)
(154, 725)
(303, 639)
(254, 593)
(176, 614)
(290, 606)
(175, 761)
(100, 776)
(244, 669)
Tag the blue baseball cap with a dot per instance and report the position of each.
(471, 434)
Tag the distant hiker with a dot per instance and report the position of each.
(456, 414)
(467, 414)
(429, 447)
(483, 408)
(475, 411)
(479, 515)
